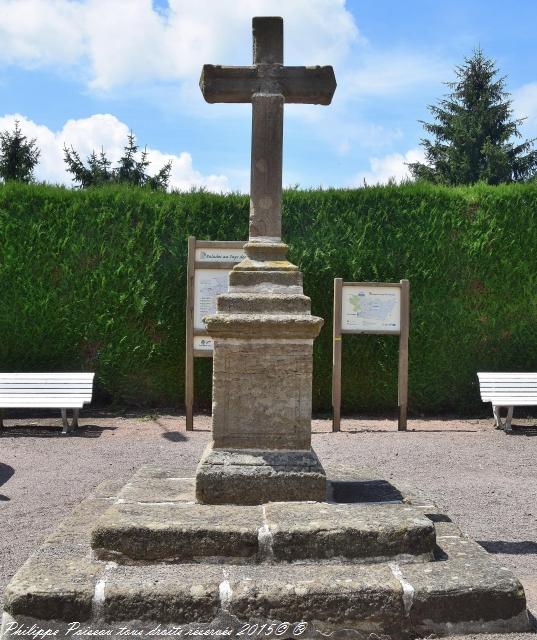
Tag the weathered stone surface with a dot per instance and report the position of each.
(56, 582)
(265, 251)
(245, 326)
(74, 528)
(176, 532)
(304, 85)
(263, 303)
(159, 490)
(266, 166)
(108, 489)
(180, 594)
(262, 395)
(256, 477)
(357, 532)
(151, 528)
(467, 593)
(153, 470)
(328, 597)
(289, 282)
(464, 590)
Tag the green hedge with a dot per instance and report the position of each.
(95, 280)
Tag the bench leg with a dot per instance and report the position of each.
(509, 419)
(67, 428)
(497, 418)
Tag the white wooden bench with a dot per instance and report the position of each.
(508, 390)
(46, 390)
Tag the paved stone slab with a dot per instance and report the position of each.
(358, 532)
(108, 489)
(176, 532)
(159, 490)
(162, 471)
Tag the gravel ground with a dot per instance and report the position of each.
(484, 479)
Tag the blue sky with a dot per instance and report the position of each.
(85, 72)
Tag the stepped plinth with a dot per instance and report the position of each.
(146, 554)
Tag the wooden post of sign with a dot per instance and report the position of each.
(403, 355)
(336, 356)
(189, 351)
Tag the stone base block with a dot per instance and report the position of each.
(247, 477)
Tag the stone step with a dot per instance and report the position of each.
(468, 592)
(277, 532)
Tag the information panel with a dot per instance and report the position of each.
(370, 308)
(208, 285)
(377, 308)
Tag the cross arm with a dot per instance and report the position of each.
(304, 85)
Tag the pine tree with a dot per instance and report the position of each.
(18, 155)
(129, 169)
(474, 131)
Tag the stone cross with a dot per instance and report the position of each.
(263, 329)
(268, 85)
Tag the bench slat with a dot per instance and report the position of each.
(37, 396)
(6, 397)
(66, 404)
(60, 374)
(44, 383)
(507, 376)
(29, 387)
(63, 377)
(513, 402)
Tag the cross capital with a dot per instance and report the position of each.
(268, 85)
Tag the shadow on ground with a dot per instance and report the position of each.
(523, 430)
(174, 436)
(369, 430)
(354, 491)
(6, 471)
(520, 547)
(52, 431)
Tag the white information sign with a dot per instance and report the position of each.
(208, 285)
(203, 343)
(371, 308)
(220, 255)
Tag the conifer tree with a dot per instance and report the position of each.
(129, 169)
(18, 155)
(474, 132)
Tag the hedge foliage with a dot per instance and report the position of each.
(95, 280)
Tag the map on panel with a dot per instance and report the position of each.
(370, 308)
(208, 285)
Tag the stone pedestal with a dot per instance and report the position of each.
(263, 337)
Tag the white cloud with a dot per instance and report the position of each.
(392, 72)
(389, 167)
(117, 42)
(106, 131)
(525, 106)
